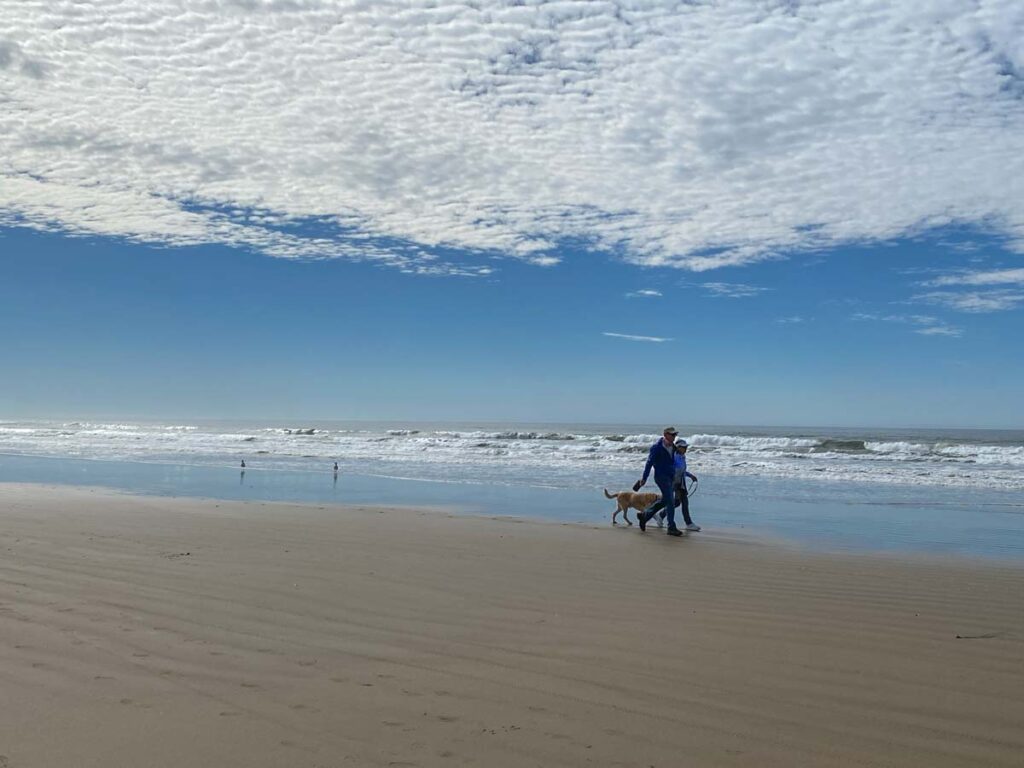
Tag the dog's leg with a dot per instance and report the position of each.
(625, 516)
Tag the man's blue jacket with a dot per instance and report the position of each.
(663, 461)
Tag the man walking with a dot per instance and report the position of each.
(662, 458)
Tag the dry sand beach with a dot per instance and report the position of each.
(144, 631)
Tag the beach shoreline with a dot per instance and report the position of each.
(830, 519)
(156, 631)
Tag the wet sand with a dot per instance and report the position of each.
(169, 632)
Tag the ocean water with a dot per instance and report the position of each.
(956, 491)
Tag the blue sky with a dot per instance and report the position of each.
(99, 327)
(750, 212)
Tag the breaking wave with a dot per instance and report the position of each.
(849, 446)
(556, 457)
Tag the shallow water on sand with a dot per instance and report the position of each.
(830, 516)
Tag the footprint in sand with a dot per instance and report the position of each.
(447, 718)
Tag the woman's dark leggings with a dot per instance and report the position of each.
(683, 498)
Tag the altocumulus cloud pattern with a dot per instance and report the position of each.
(435, 136)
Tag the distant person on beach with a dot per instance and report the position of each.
(682, 497)
(661, 458)
(335, 467)
(243, 463)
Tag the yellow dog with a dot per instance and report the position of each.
(630, 500)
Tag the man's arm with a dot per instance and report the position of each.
(648, 465)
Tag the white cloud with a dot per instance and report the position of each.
(792, 320)
(939, 330)
(433, 136)
(733, 290)
(643, 294)
(926, 325)
(982, 277)
(977, 301)
(631, 337)
(974, 301)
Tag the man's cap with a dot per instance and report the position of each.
(670, 431)
(680, 443)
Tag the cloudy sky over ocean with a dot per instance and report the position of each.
(742, 212)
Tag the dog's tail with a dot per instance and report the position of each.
(610, 495)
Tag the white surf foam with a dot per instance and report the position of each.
(556, 457)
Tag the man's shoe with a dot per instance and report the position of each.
(692, 527)
(674, 532)
(641, 518)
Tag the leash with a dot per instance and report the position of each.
(691, 489)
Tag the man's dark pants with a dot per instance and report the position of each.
(667, 501)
